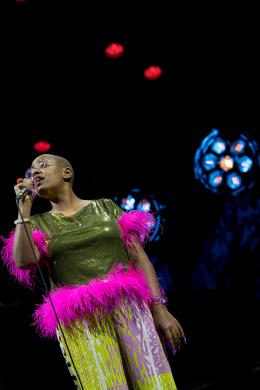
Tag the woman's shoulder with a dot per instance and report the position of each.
(111, 206)
(37, 218)
(39, 215)
(105, 200)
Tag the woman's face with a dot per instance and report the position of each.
(48, 175)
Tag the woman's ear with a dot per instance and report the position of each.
(67, 173)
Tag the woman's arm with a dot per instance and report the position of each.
(164, 322)
(22, 251)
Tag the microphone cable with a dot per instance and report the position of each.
(47, 291)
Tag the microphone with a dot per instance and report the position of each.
(25, 191)
(31, 190)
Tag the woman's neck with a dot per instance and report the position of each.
(71, 203)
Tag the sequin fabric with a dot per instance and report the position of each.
(84, 245)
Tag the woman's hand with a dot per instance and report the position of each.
(168, 327)
(26, 201)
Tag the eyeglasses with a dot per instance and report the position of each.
(39, 164)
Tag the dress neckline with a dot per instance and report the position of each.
(74, 214)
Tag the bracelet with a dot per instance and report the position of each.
(22, 220)
(160, 299)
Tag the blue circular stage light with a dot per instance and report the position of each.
(136, 199)
(226, 164)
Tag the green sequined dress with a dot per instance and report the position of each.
(85, 245)
(126, 352)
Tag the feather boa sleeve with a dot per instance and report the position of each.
(136, 225)
(23, 276)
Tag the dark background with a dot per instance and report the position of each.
(121, 131)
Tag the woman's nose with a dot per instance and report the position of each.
(36, 171)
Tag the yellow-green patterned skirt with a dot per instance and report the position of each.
(124, 352)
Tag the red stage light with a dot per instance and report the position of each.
(114, 50)
(42, 146)
(153, 72)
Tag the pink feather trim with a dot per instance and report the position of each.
(136, 225)
(23, 276)
(97, 298)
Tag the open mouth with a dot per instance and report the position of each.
(39, 180)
